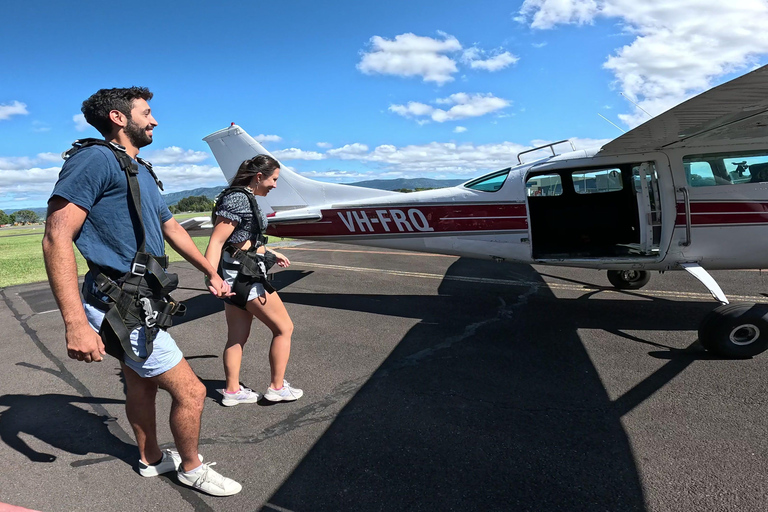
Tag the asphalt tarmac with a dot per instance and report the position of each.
(430, 383)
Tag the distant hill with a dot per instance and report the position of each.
(212, 192)
(175, 197)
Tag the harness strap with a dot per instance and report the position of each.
(140, 296)
(252, 269)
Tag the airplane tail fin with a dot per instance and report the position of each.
(232, 145)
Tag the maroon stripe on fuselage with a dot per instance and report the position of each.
(393, 220)
(724, 212)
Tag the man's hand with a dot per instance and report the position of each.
(217, 286)
(84, 344)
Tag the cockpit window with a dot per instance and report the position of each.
(712, 169)
(546, 185)
(489, 182)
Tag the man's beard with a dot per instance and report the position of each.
(137, 135)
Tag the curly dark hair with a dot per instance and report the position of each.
(263, 164)
(96, 109)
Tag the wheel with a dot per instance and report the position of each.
(737, 330)
(629, 279)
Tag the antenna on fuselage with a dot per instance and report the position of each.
(614, 124)
(635, 104)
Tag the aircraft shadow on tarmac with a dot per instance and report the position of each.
(491, 402)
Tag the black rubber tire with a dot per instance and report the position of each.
(736, 331)
(629, 279)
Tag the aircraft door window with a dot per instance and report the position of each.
(544, 185)
(597, 182)
(490, 182)
(714, 169)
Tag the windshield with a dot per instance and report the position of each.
(490, 182)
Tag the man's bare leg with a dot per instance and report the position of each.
(140, 408)
(188, 395)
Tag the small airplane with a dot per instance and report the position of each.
(688, 190)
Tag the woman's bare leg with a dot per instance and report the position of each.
(238, 329)
(270, 310)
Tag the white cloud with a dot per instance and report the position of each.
(412, 55)
(40, 127)
(80, 123)
(175, 155)
(268, 138)
(680, 48)
(464, 105)
(176, 178)
(544, 14)
(474, 57)
(18, 163)
(297, 154)
(348, 152)
(324, 145)
(14, 109)
(459, 129)
(338, 175)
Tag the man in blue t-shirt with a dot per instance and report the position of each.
(89, 206)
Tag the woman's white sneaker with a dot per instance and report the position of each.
(207, 480)
(284, 394)
(243, 396)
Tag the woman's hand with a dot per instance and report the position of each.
(282, 261)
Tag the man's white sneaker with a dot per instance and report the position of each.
(170, 462)
(284, 394)
(243, 396)
(209, 481)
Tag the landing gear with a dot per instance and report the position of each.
(737, 330)
(629, 279)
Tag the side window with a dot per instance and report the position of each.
(714, 169)
(490, 182)
(597, 181)
(544, 185)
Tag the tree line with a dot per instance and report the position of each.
(188, 204)
(192, 204)
(19, 217)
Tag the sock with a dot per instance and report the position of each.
(198, 468)
(158, 462)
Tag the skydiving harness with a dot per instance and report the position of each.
(253, 266)
(141, 295)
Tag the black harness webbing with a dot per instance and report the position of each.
(141, 295)
(253, 266)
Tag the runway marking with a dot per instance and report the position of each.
(551, 286)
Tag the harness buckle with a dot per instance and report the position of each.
(137, 269)
(150, 315)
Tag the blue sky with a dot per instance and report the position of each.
(347, 91)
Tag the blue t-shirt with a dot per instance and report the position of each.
(92, 178)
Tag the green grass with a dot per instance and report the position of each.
(21, 257)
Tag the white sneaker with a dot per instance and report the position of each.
(243, 396)
(284, 394)
(209, 481)
(170, 462)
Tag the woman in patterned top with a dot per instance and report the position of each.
(236, 226)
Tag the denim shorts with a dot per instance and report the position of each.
(165, 353)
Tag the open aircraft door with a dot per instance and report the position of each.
(603, 213)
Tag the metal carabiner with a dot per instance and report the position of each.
(150, 315)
